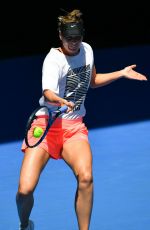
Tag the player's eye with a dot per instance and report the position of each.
(73, 38)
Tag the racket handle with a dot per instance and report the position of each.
(63, 109)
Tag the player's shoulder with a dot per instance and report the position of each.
(87, 45)
(53, 56)
(53, 52)
(87, 48)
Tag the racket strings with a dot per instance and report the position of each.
(37, 127)
(39, 122)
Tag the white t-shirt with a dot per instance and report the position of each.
(69, 77)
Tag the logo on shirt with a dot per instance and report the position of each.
(77, 84)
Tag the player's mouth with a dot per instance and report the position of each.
(73, 48)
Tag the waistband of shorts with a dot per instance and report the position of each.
(62, 121)
(69, 121)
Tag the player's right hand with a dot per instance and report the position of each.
(70, 105)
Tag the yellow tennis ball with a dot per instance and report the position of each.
(37, 132)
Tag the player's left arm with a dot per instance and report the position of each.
(101, 79)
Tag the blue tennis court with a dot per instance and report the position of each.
(121, 164)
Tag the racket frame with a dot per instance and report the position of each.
(32, 117)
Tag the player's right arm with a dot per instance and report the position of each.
(54, 98)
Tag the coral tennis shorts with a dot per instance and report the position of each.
(62, 131)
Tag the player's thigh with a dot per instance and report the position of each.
(78, 155)
(33, 163)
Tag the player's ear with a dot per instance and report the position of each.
(60, 36)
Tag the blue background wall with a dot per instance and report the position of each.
(120, 102)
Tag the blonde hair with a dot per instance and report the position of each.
(73, 16)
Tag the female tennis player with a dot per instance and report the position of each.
(68, 71)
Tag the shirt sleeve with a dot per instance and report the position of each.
(50, 75)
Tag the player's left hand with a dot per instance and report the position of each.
(129, 73)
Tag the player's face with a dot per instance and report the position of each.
(71, 45)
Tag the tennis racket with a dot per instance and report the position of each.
(39, 123)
